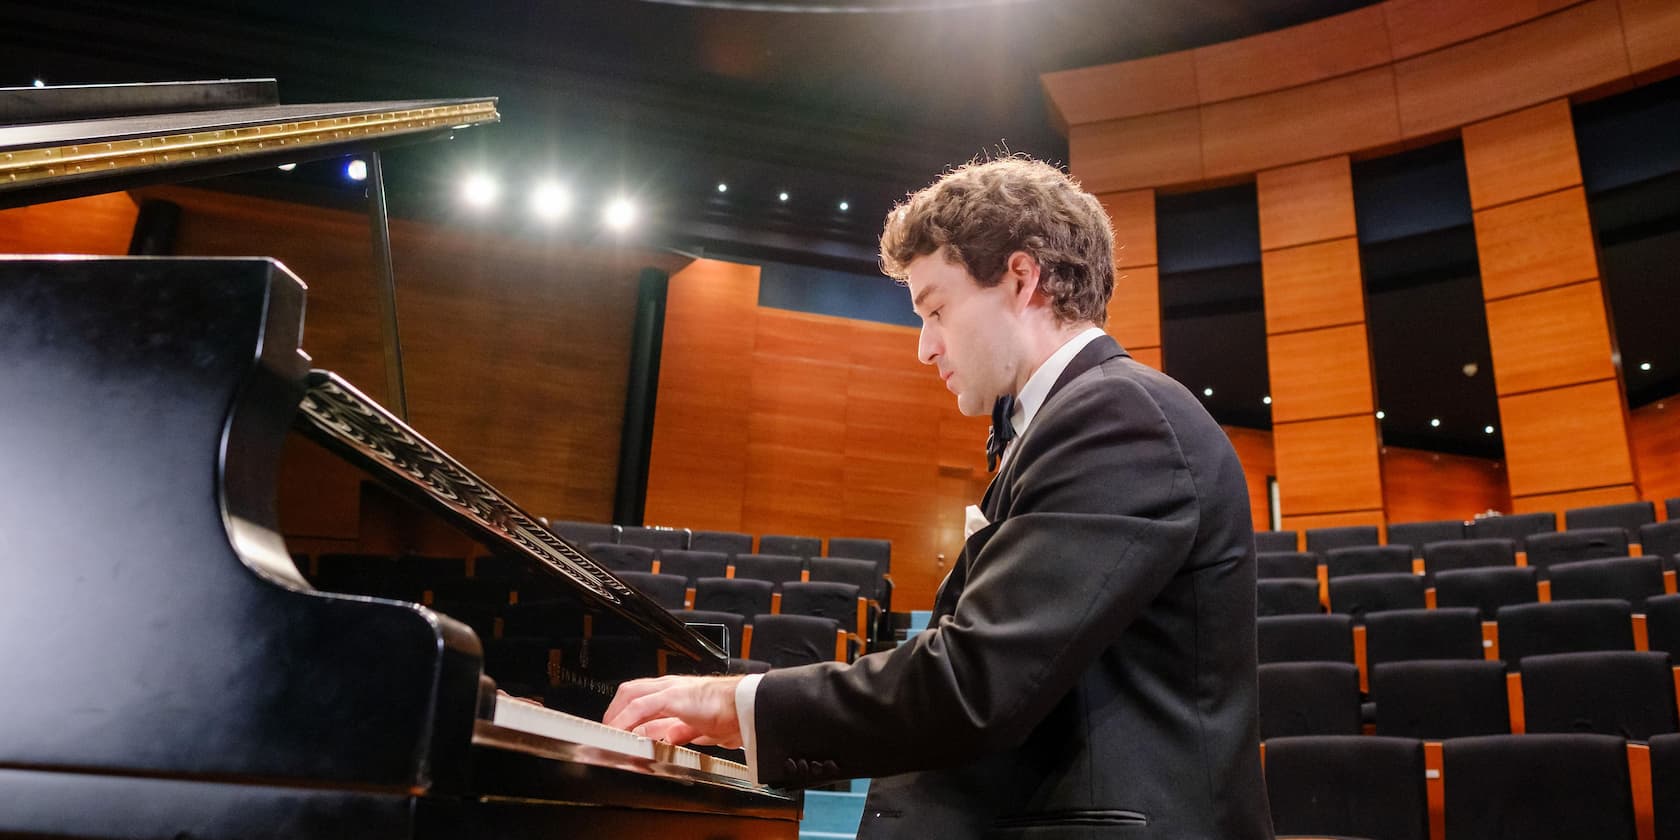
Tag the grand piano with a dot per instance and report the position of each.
(169, 670)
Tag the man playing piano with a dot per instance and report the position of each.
(1090, 668)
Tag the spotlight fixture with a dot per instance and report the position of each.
(1434, 422)
(287, 167)
(783, 197)
(1381, 414)
(550, 201)
(845, 205)
(1644, 365)
(619, 214)
(1207, 392)
(480, 190)
(722, 187)
(1266, 399)
(1487, 430)
(356, 170)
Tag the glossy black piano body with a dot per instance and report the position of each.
(167, 671)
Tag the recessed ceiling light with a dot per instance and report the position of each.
(1487, 430)
(722, 187)
(480, 190)
(550, 201)
(1380, 414)
(1644, 365)
(620, 214)
(782, 196)
(845, 205)
(1435, 422)
(287, 167)
(1266, 400)
(356, 170)
(1207, 392)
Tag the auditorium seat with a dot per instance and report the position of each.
(1661, 540)
(785, 641)
(622, 558)
(658, 539)
(1665, 785)
(1468, 554)
(796, 546)
(1517, 527)
(743, 597)
(734, 624)
(1632, 579)
(726, 542)
(1286, 564)
(693, 565)
(1416, 535)
(1304, 638)
(1321, 540)
(776, 568)
(668, 591)
(584, 533)
(1368, 560)
(1347, 786)
(1402, 635)
(857, 572)
(1546, 550)
(1671, 507)
(1356, 595)
(1537, 786)
(1563, 627)
(1662, 625)
(1308, 698)
(1487, 589)
(1287, 597)
(1437, 699)
(860, 548)
(829, 599)
(1627, 516)
(1611, 692)
(1277, 541)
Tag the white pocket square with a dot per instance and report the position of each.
(973, 520)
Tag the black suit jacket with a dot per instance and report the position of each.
(1090, 668)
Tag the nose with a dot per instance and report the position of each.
(928, 347)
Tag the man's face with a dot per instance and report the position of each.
(968, 331)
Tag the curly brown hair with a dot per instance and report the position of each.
(982, 212)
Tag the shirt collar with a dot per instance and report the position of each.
(1031, 398)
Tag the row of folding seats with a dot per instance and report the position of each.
(1631, 517)
(1499, 786)
(1625, 693)
(1636, 580)
(1563, 547)
(1458, 633)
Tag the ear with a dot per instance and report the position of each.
(1021, 270)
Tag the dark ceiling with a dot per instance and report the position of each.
(665, 99)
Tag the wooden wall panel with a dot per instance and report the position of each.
(1144, 151)
(1550, 338)
(1317, 120)
(1134, 312)
(1308, 202)
(1320, 373)
(1115, 91)
(1149, 355)
(97, 224)
(1328, 466)
(1652, 31)
(1321, 49)
(1421, 486)
(1535, 243)
(1312, 286)
(1133, 217)
(1525, 154)
(1254, 452)
(1655, 430)
(697, 472)
(1566, 439)
(1560, 502)
(1418, 26)
(1543, 58)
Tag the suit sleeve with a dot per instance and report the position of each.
(1102, 513)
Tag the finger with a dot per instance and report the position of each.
(628, 693)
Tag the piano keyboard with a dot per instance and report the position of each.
(549, 723)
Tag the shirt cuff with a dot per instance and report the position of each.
(746, 694)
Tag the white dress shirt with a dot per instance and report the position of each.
(1027, 404)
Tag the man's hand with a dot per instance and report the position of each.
(678, 710)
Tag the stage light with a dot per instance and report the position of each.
(40, 83)
(1266, 400)
(1207, 392)
(1380, 414)
(844, 206)
(287, 167)
(550, 201)
(1644, 365)
(723, 188)
(480, 190)
(356, 170)
(782, 197)
(1434, 422)
(1487, 430)
(619, 214)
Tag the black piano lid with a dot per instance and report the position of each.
(45, 161)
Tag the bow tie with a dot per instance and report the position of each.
(1002, 431)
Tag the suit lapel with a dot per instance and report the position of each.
(1098, 350)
